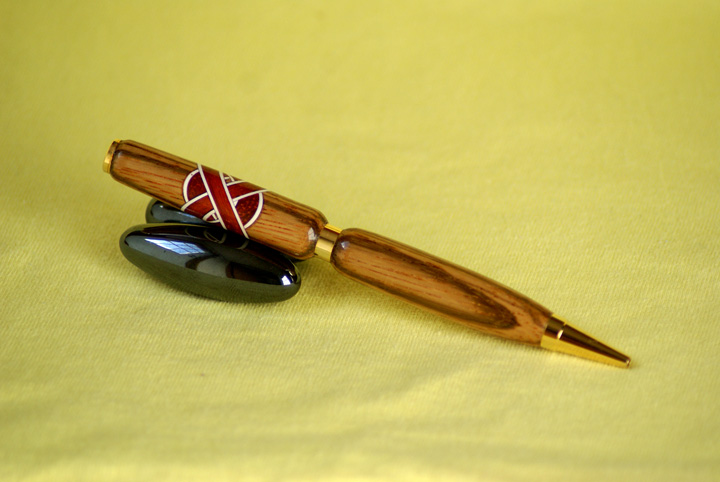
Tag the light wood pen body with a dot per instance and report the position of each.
(439, 286)
(301, 232)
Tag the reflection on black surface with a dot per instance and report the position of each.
(211, 262)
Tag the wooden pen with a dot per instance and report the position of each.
(303, 232)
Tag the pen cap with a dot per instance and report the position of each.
(231, 203)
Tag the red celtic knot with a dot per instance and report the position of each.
(218, 198)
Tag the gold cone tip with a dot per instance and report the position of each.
(560, 336)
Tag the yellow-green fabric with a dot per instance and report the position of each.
(569, 149)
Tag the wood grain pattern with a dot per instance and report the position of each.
(283, 224)
(439, 286)
(294, 229)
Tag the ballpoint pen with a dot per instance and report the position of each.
(302, 232)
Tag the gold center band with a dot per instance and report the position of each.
(326, 242)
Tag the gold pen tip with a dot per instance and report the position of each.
(561, 336)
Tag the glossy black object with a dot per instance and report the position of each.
(158, 212)
(210, 262)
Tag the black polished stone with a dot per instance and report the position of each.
(159, 212)
(210, 262)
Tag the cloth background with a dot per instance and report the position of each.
(568, 149)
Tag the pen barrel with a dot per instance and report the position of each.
(234, 204)
(439, 286)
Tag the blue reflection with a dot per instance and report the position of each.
(178, 247)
